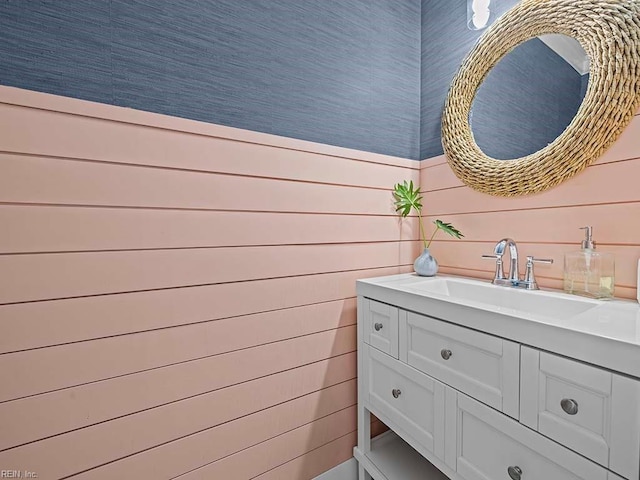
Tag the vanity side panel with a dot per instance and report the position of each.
(625, 427)
(364, 423)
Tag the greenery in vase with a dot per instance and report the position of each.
(407, 198)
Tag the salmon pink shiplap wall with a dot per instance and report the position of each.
(606, 195)
(177, 299)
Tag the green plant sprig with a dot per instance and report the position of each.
(407, 198)
(446, 228)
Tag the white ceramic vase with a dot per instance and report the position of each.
(425, 265)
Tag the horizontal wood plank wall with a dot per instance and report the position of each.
(177, 299)
(606, 195)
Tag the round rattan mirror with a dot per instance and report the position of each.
(609, 32)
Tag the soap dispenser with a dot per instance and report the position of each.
(588, 272)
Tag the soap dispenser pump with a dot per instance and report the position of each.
(588, 272)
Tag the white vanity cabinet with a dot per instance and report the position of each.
(466, 404)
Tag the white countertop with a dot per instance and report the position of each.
(607, 335)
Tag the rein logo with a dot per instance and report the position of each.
(17, 474)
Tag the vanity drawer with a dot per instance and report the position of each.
(588, 409)
(405, 398)
(381, 326)
(482, 366)
(491, 446)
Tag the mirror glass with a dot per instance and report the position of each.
(530, 97)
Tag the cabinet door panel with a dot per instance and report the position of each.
(489, 444)
(588, 409)
(381, 326)
(411, 400)
(482, 366)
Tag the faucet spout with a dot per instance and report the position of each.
(514, 273)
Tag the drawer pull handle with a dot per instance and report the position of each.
(569, 405)
(515, 472)
(377, 326)
(396, 392)
(446, 354)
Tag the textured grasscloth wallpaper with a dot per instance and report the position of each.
(365, 74)
(344, 73)
(445, 42)
(525, 102)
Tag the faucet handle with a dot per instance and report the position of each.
(531, 259)
(499, 267)
(529, 278)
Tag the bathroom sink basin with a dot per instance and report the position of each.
(506, 299)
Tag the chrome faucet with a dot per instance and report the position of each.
(498, 252)
(513, 280)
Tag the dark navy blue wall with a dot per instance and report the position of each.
(445, 42)
(344, 73)
(525, 102)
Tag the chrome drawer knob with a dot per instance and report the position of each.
(446, 354)
(377, 326)
(515, 472)
(569, 405)
(396, 392)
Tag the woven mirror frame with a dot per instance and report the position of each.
(609, 32)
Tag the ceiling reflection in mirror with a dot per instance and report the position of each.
(530, 97)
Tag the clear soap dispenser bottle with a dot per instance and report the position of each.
(588, 272)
